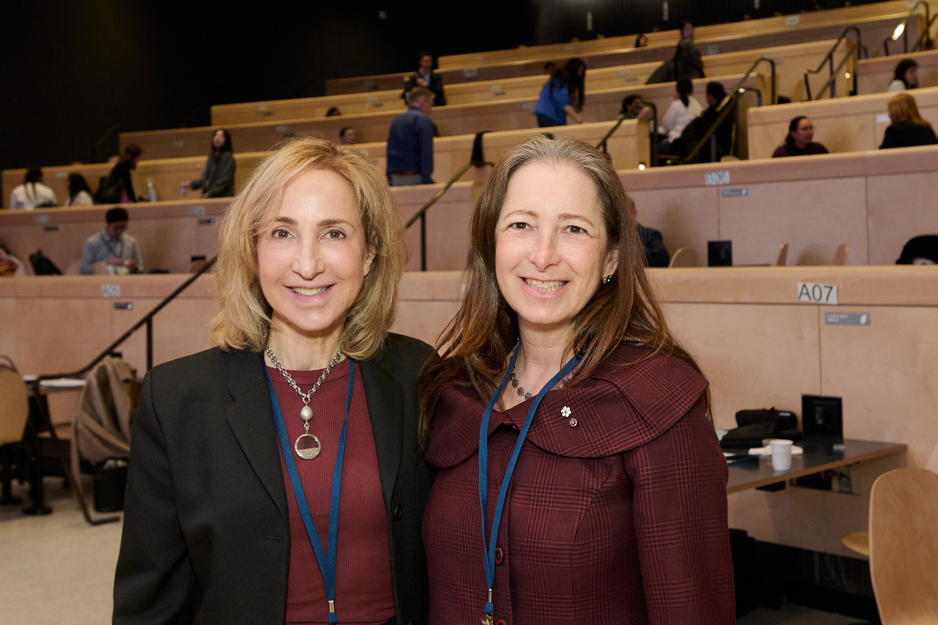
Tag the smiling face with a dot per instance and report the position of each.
(551, 248)
(313, 257)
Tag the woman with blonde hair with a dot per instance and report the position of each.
(579, 478)
(277, 476)
(908, 128)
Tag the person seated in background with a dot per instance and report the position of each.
(908, 128)
(800, 140)
(428, 79)
(682, 111)
(112, 246)
(905, 77)
(641, 41)
(549, 67)
(347, 136)
(410, 142)
(118, 187)
(656, 254)
(633, 107)
(218, 179)
(79, 194)
(562, 95)
(922, 250)
(32, 193)
(333, 112)
(697, 129)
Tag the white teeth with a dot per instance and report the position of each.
(545, 287)
(300, 291)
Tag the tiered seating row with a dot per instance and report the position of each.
(875, 74)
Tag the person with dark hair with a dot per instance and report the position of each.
(347, 136)
(32, 193)
(921, 250)
(562, 95)
(656, 254)
(333, 112)
(118, 187)
(688, 63)
(908, 128)
(905, 76)
(560, 359)
(427, 78)
(78, 192)
(549, 67)
(633, 107)
(641, 41)
(112, 246)
(410, 142)
(218, 179)
(800, 140)
(683, 110)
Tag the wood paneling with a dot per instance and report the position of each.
(874, 75)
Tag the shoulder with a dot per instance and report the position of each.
(895, 85)
(403, 356)
(129, 239)
(94, 239)
(628, 365)
(196, 367)
(779, 152)
(819, 148)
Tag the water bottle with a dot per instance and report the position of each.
(151, 192)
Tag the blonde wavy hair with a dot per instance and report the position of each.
(244, 319)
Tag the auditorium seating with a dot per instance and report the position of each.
(874, 75)
(843, 125)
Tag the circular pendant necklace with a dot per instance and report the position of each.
(310, 448)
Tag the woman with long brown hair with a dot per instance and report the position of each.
(579, 478)
(908, 128)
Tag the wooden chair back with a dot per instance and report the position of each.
(904, 546)
(782, 255)
(840, 256)
(684, 257)
(14, 406)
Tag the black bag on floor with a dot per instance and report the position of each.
(42, 266)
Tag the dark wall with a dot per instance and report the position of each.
(71, 70)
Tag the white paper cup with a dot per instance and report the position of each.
(781, 454)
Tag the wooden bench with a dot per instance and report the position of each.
(842, 125)
(874, 201)
(874, 75)
(791, 61)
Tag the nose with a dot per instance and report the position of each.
(308, 261)
(544, 251)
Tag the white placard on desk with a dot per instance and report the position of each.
(817, 293)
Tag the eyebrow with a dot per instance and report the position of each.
(323, 223)
(562, 216)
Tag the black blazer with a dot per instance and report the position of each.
(206, 535)
(906, 134)
(435, 85)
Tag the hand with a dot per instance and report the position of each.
(421, 82)
(645, 114)
(131, 264)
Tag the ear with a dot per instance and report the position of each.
(612, 262)
(366, 264)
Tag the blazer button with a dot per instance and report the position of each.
(398, 511)
(499, 556)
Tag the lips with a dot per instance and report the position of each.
(309, 292)
(544, 286)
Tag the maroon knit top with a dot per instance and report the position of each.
(364, 593)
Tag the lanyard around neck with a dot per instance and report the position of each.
(488, 546)
(326, 561)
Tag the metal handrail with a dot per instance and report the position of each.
(903, 31)
(421, 214)
(829, 60)
(100, 142)
(727, 106)
(621, 118)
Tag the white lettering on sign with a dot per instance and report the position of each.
(62, 175)
(262, 108)
(792, 21)
(624, 72)
(110, 290)
(196, 211)
(478, 58)
(768, 56)
(883, 119)
(282, 128)
(42, 219)
(528, 106)
(178, 143)
(470, 73)
(712, 49)
(370, 98)
(716, 177)
(495, 88)
(817, 293)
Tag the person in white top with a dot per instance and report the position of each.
(78, 192)
(32, 192)
(905, 77)
(682, 111)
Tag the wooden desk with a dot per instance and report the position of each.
(818, 456)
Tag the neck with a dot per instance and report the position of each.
(298, 352)
(543, 354)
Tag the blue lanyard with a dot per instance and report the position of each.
(325, 561)
(488, 550)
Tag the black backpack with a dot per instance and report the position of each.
(42, 266)
(109, 191)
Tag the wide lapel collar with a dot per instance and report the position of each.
(386, 409)
(251, 419)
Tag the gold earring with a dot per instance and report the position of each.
(607, 279)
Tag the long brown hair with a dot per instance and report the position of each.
(477, 342)
(902, 108)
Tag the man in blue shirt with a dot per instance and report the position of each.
(410, 142)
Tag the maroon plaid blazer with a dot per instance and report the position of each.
(620, 518)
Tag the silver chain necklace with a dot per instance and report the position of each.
(313, 447)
